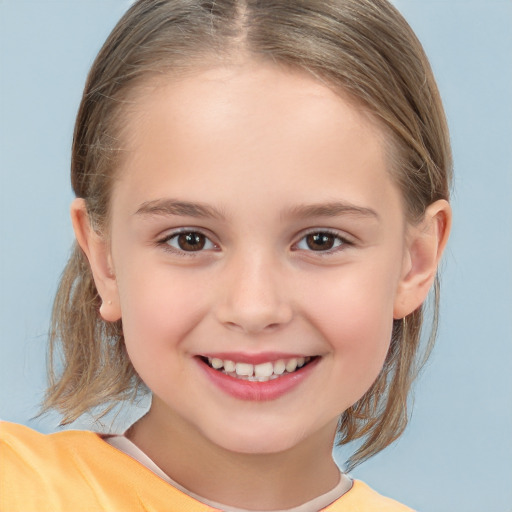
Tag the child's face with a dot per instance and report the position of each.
(255, 220)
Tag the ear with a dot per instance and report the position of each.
(97, 249)
(425, 245)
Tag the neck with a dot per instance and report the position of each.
(266, 481)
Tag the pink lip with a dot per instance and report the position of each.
(257, 391)
(243, 357)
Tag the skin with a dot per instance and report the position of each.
(259, 146)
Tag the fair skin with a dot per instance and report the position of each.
(298, 247)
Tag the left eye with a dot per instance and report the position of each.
(320, 241)
(189, 241)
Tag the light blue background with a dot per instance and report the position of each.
(456, 455)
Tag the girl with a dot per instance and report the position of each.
(261, 208)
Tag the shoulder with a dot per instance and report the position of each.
(79, 471)
(19, 440)
(38, 471)
(361, 498)
(27, 451)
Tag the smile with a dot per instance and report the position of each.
(262, 372)
(257, 377)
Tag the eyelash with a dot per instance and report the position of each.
(340, 241)
(164, 242)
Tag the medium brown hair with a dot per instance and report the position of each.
(361, 48)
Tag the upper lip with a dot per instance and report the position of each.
(262, 357)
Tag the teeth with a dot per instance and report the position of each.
(259, 372)
(217, 363)
(244, 369)
(229, 366)
(279, 367)
(291, 365)
(263, 370)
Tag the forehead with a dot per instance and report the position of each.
(248, 125)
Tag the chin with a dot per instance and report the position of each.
(259, 446)
(253, 441)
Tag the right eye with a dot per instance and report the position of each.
(323, 242)
(188, 241)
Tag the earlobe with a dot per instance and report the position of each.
(97, 250)
(425, 246)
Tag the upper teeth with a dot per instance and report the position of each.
(258, 372)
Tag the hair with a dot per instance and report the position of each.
(364, 49)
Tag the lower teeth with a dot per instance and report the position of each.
(253, 378)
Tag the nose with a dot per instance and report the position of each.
(253, 296)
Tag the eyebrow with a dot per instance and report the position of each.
(175, 207)
(332, 209)
(200, 210)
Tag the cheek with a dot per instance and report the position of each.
(360, 340)
(360, 345)
(356, 320)
(354, 302)
(158, 310)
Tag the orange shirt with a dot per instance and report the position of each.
(76, 471)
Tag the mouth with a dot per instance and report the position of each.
(262, 372)
(257, 377)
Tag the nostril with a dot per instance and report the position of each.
(246, 327)
(234, 326)
(253, 317)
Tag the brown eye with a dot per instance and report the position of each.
(188, 241)
(321, 241)
(191, 241)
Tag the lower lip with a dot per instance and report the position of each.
(257, 391)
